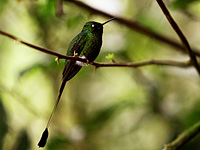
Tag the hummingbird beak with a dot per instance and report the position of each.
(108, 21)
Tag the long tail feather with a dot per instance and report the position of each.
(45, 134)
(57, 102)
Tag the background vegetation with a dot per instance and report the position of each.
(113, 108)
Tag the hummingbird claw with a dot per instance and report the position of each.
(75, 54)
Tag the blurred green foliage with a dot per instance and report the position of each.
(23, 141)
(113, 108)
(183, 3)
(3, 124)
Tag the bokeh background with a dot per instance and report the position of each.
(113, 108)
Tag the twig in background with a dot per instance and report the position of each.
(183, 138)
(180, 34)
(59, 8)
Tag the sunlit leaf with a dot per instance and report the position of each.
(110, 56)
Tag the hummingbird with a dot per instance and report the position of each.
(86, 45)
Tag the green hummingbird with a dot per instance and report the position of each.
(86, 45)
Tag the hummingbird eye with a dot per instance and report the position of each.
(93, 25)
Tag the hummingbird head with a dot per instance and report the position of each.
(95, 27)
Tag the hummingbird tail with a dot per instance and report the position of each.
(57, 102)
(66, 77)
(44, 137)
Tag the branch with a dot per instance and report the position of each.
(97, 65)
(183, 138)
(60, 56)
(144, 63)
(134, 26)
(59, 8)
(180, 34)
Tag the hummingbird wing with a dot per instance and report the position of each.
(76, 47)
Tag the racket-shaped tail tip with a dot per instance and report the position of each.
(43, 139)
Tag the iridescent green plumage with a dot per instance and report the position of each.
(86, 44)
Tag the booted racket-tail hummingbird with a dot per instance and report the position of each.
(86, 45)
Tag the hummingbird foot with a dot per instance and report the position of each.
(75, 54)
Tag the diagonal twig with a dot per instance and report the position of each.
(180, 34)
(183, 138)
(45, 50)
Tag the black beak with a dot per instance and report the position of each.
(108, 20)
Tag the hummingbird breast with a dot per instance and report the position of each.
(92, 46)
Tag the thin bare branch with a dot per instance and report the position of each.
(97, 65)
(143, 63)
(134, 25)
(59, 8)
(183, 138)
(180, 34)
(44, 50)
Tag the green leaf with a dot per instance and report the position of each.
(110, 56)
